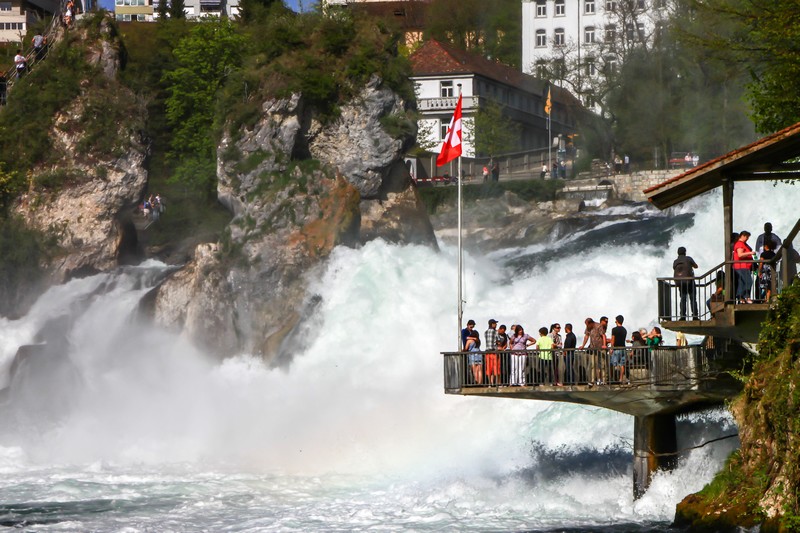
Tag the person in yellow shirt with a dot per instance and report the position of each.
(545, 345)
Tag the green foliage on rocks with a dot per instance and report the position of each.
(761, 482)
(327, 59)
(26, 121)
(203, 60)
(24, 253)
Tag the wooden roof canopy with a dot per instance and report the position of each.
(770, 158)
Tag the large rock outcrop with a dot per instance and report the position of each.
(297, 187)
(87, 188)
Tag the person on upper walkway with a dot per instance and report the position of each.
(683, 271)
(768, 235)
(742, 267)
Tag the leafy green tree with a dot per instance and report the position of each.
(162, 10)
(492, 29)
(252, 10)
(177, 9)
(760, 38)
(212, 50)
(492, 131)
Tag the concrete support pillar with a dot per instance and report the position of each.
(654, 447)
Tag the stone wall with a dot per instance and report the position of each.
(630, 186)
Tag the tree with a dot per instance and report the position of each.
(761, 38)
(492, 131)
(177, 9)
(162, 10)
(252, 10)
(211, 51)
(492, 29)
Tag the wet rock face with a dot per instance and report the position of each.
(356, 144)
(90, 192)
(297, 187)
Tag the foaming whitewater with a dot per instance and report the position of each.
(114, 424)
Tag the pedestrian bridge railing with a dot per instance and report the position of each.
(709, 292)
(662, 367)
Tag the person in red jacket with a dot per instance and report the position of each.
(743, 270)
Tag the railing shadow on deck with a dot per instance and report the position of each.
(666, 367)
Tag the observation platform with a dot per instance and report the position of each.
(653, 381)
(654, 385)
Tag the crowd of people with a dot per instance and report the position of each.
(750, 267)
(152, 207)
(512, 357)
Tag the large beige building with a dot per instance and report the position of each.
(16, 16)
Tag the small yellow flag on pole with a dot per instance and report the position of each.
(548, 105)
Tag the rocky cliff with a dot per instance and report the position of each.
(297, 186)
(88, 181)
(760, 485)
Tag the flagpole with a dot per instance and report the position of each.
(549, 135)
(460, 260)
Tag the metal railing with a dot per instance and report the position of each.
(527, 163)
(668, 367)
(32, 56)
(698, 298)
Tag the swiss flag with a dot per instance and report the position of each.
(451, 147)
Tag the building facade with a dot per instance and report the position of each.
(133, 10)
(440, 70)
(16, 16)
(147, 10)
(575, 42)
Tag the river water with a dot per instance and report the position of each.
(118, 426)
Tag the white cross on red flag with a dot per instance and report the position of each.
(451, 147)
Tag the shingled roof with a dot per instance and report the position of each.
(435, 58)
(409, 15)
(764, 160)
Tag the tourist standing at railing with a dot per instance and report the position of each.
(766, 270)
(495, 171)
(545, 345)
(639, 363)
(742, 267)
(558, 355)
(519, 343)
(474, 357)
(596, 336)
(503, 341)
(654, 338)
(492, 359)
(618, 355)
(683, 272)
(570, 342)
(680, 339)
(768, 235)
(465, 333)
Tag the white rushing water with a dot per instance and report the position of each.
(139, 431)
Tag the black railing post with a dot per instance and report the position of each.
(664, 300)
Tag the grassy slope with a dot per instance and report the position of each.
(760, 483)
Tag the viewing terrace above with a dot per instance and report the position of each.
(773, 158)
